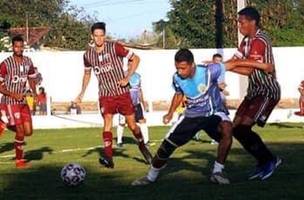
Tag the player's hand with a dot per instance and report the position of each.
(123, 82)
(18, 97)
(167, 118)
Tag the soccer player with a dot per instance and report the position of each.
(204, 111)
(263, 91)
(106, 60)
(301, 99)
(138, 102)
(15, 71)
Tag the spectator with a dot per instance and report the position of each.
(42, 101)
(30, 101)
(74, 108)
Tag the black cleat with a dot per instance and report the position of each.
(108, 163)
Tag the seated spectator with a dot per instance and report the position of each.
(74, 108)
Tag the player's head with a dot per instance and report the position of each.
(18, 45)
(249, 20)
(217, 58)
(184, 63)
(98, 33)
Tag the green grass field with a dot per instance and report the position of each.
(186, 176)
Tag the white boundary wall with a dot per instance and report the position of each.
(62, 73)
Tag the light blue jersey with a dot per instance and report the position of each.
(135, 88)
(201, 90)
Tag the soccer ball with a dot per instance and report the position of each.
(72, 174)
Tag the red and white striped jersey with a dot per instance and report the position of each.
(259, 48)
(108, 67)
(14, 76)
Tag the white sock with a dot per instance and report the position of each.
(144, 131)
(119, 133)
(217, 167)
(153, 174)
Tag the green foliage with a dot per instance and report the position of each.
(68, 25)
(191, 23)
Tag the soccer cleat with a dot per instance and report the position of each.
(257, 173)
(219, 178)
(270, 167)
(108, 163)
(2, 128)
(141, 181)
(146, 153)
(22, 164)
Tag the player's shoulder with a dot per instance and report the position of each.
(262, 38)
(28, 59)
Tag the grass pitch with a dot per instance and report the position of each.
(186, 176)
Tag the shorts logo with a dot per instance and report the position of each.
(17, 115)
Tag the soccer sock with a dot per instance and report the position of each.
(120, 129)
(19, 141)
(107, 140)
(145, 132)
(153, 174)
(217, 167)
(252, 142)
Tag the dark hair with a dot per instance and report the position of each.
(251, 13)
(42, 90)
(184, 55)
(17, 38)
(217, 55)
(98, 25)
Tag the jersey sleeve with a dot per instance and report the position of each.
(217, 72)
(32, 73)
(122, 51)
(86, 64)
(176, 86)
(257, 50)
(221, 78)
(3, 71)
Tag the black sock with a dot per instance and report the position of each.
(253, 143)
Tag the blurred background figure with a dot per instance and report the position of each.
(301, 100)
(30, 100)
(74, 108)
(41, 101)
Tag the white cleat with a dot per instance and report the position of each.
(141, 181)
(219, 178)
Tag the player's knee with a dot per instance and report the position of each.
(28, 132)
(226, 129)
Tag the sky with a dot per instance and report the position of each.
(126, 18)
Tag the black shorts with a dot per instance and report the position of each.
(185, 128)
(139, 115)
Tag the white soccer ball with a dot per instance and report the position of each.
(72, 174)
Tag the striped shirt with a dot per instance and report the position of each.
(259, 48)
(108, 67)
(14, 76)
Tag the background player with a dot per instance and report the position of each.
(301, 99)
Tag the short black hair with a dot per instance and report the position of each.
(251, 13)
(17, 38)
(217, 55)
(184, 55)
(98, 25)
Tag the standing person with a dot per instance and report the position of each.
(42, 101)
(106, 60)
(139, 103)
(30, 101)
(301, 99)
(204, 111)
(263, 91)
(15, 71)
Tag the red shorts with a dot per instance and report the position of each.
(257, 108)
(16, 114)
(116, 104)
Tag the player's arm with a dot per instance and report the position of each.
(175, 102)
(133, 61)
(243, 63)
(32, 75)
(85, 80)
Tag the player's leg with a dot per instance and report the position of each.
(219, 128)
(182, 131)
(254, 111)
(27, 120)
(120, 129)
(139, 117)
(130, 119)
(108, 107)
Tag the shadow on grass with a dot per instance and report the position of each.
(175, 182)
(37, 154)
(8, 146)
(287, 125)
